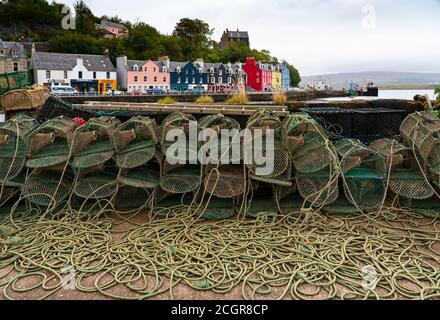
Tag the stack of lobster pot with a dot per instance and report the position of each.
(314, 159)
(421, 132)
(13, 151)
(49, 149)
(138, 158)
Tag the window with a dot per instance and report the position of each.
(178, 70)
(65, 74)
(94, 74)
(164, 69)
(200, 71)
(136, 68)
(47, 74)
(135, 79)
(145, 69)
(201, 80)
(220, 80)
(164, 79)
(220, 72)
(14, 53)
(258, 74)
(2, 52)
(15, 67)
(186, 80)
(229, 80)
(108, 75)
(212, 80)
(154, 69)
(145, 78)
(258, 80)
(194, 80)
(212, 70)
(178, 80)
(155, 79)
(80, 74)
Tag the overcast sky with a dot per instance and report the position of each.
(317, 36)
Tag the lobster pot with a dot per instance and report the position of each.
(131, 197)
(49, 145)
(92, 145)
(135, 142)
(55, 107)
(364, 173)
(218, 209)
(308, 143)
(406, 179)
(13, 146)
(421, 130)
(263, 158)
(47, 187)
(178, 175)
(318, 188)
(96, 183)
(24, 99)
(227, 182)
(180, 179)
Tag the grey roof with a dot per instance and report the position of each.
(132, 63)
(10, 45)
(113, 24)
(212, 65)
(174, 65)
(67, 61)
(237, 34)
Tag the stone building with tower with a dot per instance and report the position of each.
(234, 36)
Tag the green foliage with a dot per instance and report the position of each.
(437, 93)
(195, 36)
(205, 100)
(85, 20)
(74, 42)
(295, 77)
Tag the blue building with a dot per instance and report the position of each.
(187, 76)
(285, 75)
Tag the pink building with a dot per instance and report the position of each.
(142, 77)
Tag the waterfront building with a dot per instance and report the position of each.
(138, 76)
(12, 57)
(86, 73)
(225, 78)
(276, 77)
(285, 75)
(259, 75)
(188, 76)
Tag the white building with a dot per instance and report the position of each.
(319, 85)
(86, 73)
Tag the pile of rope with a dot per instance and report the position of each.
(392, 254)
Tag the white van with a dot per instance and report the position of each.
(63, 90)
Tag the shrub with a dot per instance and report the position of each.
(279, 98)
(238, 98)
(205, 100)
(167, 100)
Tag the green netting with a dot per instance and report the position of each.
(97, 184)
(44, 187)
(131, 197)
(14, 80)
(141, 177)
(218, 209)
(364, 173)
(181, 179)
(227, 182)
(318, 188)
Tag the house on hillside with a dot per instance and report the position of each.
(112, 30)
(86, 73)
(13, 57)
(234, 36)
(142, 76)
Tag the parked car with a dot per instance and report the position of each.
(198, 91)
(156, 91)
(112, 92)
(63, 90)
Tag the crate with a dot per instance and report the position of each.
(55, 107)
(370, 124)
(337, 120)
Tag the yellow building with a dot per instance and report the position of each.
(277, 82)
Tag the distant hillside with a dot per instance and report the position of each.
(381, 79)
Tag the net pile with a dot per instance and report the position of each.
(181, 171)
(49, 148)
(314, 160)
(139, 160)
(364, 173)
(24, 99)
(406, 178)
(92, 159)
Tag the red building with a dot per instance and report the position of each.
(259, 75)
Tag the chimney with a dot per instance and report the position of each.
(106, 52)
(33, 48)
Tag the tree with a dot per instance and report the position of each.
(145, 41)
(236, 51)
(172, 48)
(437, 93)
(295, 77)
(194, 35)
(85, 20)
